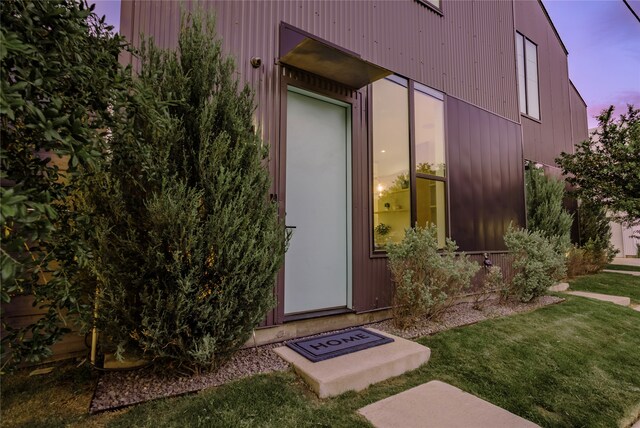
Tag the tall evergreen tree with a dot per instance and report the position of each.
(545, 212)
(187, 244)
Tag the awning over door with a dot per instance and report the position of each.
(309, 53)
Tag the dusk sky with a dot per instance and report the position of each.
(602, 37)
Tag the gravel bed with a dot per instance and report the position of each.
(124, 388)
(464, 314)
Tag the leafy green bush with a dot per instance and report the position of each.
(545, 211)
(186, 244)
(604, 168)
(537, 263)
(60, 72)
(426, 281)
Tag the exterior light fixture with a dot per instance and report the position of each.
(256, 62)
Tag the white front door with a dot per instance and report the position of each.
(318, 203)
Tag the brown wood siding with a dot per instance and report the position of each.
(486, 176)
(544, 140)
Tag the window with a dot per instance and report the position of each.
(392, 197)
(527, 58)
(396, 167)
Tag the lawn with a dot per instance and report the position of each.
(617, 284)
(623, 267)
(570, 364)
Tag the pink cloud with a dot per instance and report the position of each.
(619, 101)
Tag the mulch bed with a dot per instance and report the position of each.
(124, 388)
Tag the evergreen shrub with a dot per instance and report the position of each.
(186, 244)
(537, 263)
(427, 280)
(545, 212)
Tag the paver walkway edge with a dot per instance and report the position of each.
(625, 272)
(436, 404)
(618, 300)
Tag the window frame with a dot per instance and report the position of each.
(525, 39)
(411, 86)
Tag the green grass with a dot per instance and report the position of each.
(623, 267)
(567, 365)
(617, 284)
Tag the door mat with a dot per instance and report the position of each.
(320, 348)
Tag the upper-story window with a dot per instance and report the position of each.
(409, 171)
(527, 56)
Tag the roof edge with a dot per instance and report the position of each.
(544, 9)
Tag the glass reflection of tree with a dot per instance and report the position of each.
(427, 168)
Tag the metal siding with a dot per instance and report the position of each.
(579, 127)
(544, 140)
(468, 53)
(490, 148)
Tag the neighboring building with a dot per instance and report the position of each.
(385, 114)
(624, 240)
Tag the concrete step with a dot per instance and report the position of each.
(618, 300)
(358, 370)
(436, 404)
(563, 286)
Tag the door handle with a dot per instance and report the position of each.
(290, 227)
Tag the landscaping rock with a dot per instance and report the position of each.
(149, 384)
(464, 314)
(124, 388)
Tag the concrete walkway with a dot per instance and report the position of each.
(626, 272)
(618, 300)
(627, 261)
(436, 404)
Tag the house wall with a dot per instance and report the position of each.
(486, 176)
(468, 53)
(579, 125)
(545, 139)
